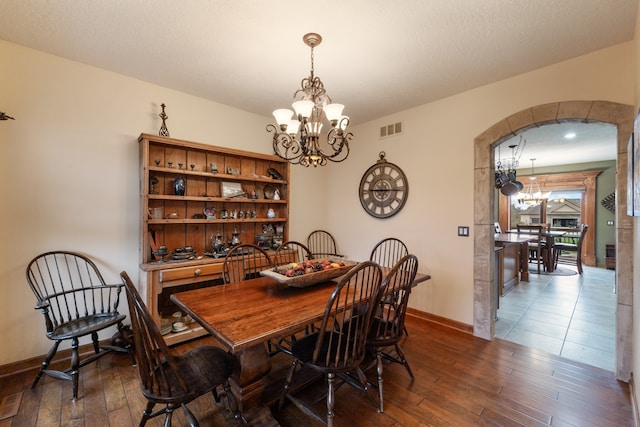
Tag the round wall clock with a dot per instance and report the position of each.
(383, 189)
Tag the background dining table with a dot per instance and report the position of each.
(550, 238)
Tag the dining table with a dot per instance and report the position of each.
(243, 316)
(550, 237)
(522, 243)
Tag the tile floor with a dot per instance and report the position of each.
(570, 316)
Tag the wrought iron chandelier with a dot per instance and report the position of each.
(506, 175)
(533, 196)
(297, 137)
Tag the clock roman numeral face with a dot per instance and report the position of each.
(383, 190)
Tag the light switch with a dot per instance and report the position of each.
(463, 231)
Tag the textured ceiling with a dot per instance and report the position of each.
(548, 146)
(377, 57)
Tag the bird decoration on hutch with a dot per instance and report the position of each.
(4, 116)
(298, 136)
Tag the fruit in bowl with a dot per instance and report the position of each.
(295, 269)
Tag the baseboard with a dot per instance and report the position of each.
(62, 358)
(464, 327)
(634, 401)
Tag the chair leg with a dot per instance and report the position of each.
(75, 366)
(579, 263)
(379, 371)
(45, 363)
(189, 416)
(146, 414)
(169, 414)
(287, 384)
(96, 343)
(128, 339)
(330, 398)
(403, 360)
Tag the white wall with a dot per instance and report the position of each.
(70, 171)
(436, 154)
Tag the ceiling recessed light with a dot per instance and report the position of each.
(569, 135)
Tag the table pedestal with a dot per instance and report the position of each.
(247, 385)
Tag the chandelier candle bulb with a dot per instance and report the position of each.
(282, 116)
(303, 108)
(293, 127)
(333, 113)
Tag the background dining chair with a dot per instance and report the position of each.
(387, 325)
(287, 253)
(538, 243)
(339, 344)
(244, 262)
(75, 301)
(560, 247)
(291, 251)
(322, 244)
(174, 381)
(387, 252)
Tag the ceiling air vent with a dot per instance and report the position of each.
(390, 130)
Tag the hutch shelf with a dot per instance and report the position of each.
(180, 183)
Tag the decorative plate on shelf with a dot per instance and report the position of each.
(303, 280)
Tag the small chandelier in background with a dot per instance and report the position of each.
(533, 196)
(506, 179)
(297, 136)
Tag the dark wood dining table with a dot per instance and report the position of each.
(244, 315)
(550, 237)
(523, 244)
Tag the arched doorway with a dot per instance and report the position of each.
(619, 115)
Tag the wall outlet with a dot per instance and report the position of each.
(463, 231)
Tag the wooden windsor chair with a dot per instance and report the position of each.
(339, 344)
(174, 381)
(75, 301)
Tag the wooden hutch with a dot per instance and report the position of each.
(178, 220)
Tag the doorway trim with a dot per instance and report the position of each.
(622, 117)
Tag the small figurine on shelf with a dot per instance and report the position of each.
(276, 194)
(235, 239)
(210, 213)
(179, 186)
(153, 182)
(253, 194)
(213, 167)
(163, 129)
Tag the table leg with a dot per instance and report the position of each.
(524, 261)
(550, 255)
(247, 385)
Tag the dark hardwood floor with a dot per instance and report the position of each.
(460, 381)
